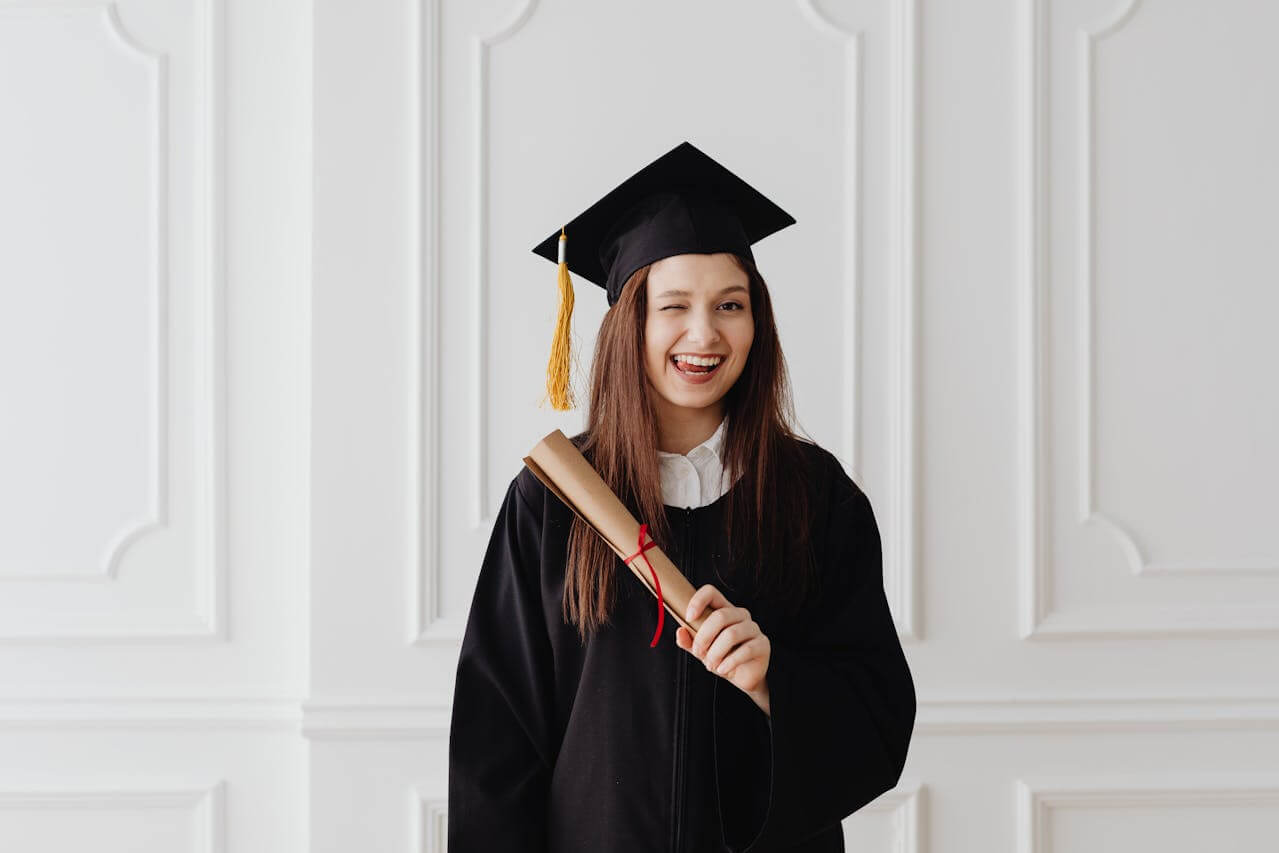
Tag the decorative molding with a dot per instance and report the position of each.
(424, 717)
(1119, 622)
(904, 804)
(213, 595)
(1023, 713)
(156, 65)
(406, 718)
(900, 561)
(851, 287)
(1089, 513)
(1037, 798)
(430, 627)
(1037, 620)
(1032, 264)
(904, 145)
(376, 718)
(209, 623)
(153, 518)
(193, 711)
(481, 47)
(429, 822)
(427, 626)
(206, 801)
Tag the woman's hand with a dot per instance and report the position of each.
(729, 643)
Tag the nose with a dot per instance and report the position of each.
(702, 330)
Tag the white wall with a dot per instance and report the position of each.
(273, 339)
(155, 200)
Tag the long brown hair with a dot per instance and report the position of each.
(760, 445)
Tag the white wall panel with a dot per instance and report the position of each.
(154, 238)
(272, 341)
(84, 249)
(846, 277)
(112, 327)
(1178, 813)
(129, 819)
(1150, 365)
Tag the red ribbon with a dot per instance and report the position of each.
(661, 609)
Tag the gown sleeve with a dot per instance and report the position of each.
(841, 700)
(500, 748)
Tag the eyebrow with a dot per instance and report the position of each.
(729, 289)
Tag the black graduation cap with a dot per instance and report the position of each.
(683, 202)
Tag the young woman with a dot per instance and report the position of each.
(793, 706)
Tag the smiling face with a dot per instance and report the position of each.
(698, 306)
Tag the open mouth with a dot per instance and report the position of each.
(697, 370)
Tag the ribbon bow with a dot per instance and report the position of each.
(661, 610)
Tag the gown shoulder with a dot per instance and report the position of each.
(832, 483)
(530, 490)
(533, 491)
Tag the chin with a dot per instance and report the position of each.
(692, 399)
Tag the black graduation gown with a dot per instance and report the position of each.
(614, 745)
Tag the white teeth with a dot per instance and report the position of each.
(703, 362)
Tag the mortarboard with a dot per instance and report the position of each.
(683, 202)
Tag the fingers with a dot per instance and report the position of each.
(749, 651)
(715, 625)
(726, 629)
(707, 596)
(729, 642)
(737, 650)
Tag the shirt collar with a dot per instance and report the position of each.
(714, 444)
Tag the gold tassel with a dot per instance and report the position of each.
(558, 386)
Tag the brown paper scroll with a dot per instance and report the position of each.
(562, 468)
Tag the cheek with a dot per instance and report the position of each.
(656, 343)
(742, 344)
(654, 354)
(653, 364)
(650, 341)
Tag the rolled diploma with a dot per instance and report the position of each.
(562, 468)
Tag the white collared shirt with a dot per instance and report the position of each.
(697, 478)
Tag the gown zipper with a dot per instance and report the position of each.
(680, 715)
